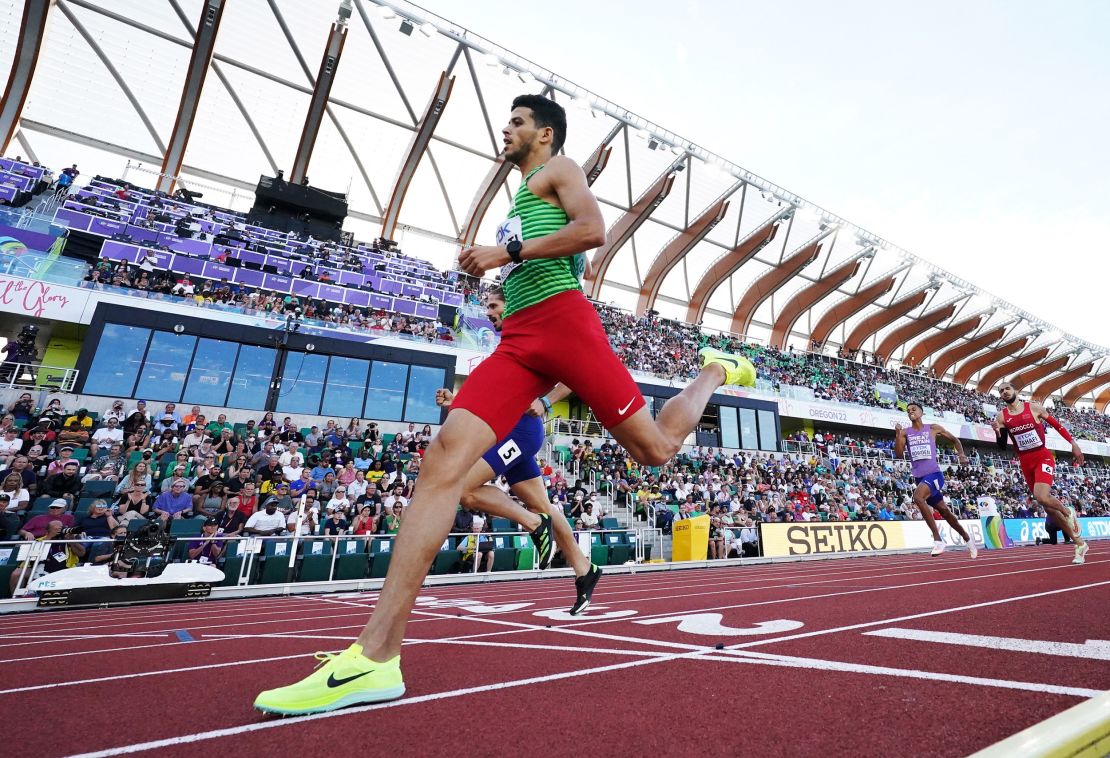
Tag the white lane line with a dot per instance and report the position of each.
(586, 622)
(46, 620)
(139, 675)
(790, 661)
(745, 582)
(911, 585)
(555, 648)
(293, 720)
(1093, 650)
(697, 653)
(912, 616)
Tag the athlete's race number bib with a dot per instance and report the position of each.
(509, 230)
(1027, 440)
(921, 452)
(509, 452)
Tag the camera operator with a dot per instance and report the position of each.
(21, 350)
(102, 551)
(141, 553)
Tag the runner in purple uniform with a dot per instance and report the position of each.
(921, 439)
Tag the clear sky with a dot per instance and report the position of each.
(974, 134)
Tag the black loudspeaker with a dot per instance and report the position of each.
(298, 208)
(447, 314)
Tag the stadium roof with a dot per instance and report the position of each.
(692, 235)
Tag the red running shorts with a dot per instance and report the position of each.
(559, 339)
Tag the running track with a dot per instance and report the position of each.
(841, 657)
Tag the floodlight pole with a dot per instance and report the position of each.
(321, 91)
(29, 45)
(204, 47)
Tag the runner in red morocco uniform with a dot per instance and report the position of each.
(515, 457)
(921, 439)
(551, 334)
(1024, 423)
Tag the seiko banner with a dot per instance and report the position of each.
(821, 538)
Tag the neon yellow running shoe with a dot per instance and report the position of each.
(739, 371)
(341, 680)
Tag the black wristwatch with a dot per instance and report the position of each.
(513, 249)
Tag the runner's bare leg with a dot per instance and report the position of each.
(1042, 493)
(450, 455)
(654, 442)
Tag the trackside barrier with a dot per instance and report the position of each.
(818, 538)
(826, 537)
(1026, 530)
(276, 560)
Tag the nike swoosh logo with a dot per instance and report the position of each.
(625, 408)
(333, 682)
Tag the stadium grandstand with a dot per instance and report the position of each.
(229, 233)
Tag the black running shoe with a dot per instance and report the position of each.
(585, 587)
(541, 538)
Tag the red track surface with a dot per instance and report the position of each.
(486, 674)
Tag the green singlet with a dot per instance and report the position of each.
(533, 281)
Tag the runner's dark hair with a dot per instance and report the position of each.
(546, 113)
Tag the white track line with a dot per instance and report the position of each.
(743, 576)
(293, 720)
(861, 591)
(586, 622)
(790, 661)
(697, 652)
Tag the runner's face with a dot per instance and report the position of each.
(519, 135)
(494, 308)
(913, 412)
(1007, 393)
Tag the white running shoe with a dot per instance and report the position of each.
(973, 548)
(1081, 553)
(938, 547)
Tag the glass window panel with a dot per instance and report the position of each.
(385, 395)
(253, 374)
(346, 387)
(730, 432)
(302, 382)
(167, 360)
(421, 405)
(768, 431)
(749, 440)
(210, 375)
(115, 367)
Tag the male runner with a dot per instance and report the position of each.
(551, 334)
(1024, 422)
(515, 457)
(929, 493)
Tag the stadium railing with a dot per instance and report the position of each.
(325, 559)
(37, 376)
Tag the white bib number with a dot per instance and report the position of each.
(921, 452)
(1027, 440)
(509, 452)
